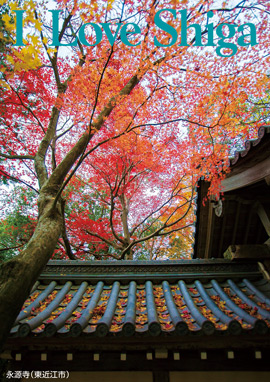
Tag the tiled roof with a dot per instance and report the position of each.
(166, 298)
(263, 132)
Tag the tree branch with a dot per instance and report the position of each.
(17, 156)
(109, 242)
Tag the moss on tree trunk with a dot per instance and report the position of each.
(17, 276)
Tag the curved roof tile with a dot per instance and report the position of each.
(262, 131)
(151, 307)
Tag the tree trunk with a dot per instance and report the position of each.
(124, 218)
(18, 275)
(129, 254)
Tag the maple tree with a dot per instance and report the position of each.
(261, 107)
(128, 197)
(60, 105)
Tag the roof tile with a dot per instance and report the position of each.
(149, 308)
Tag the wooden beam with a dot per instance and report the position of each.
(249, 176)
(267, 242)
(247, 251)
(265, 269)
(267, 179)
(223, 226)
(161, 354)
(264, 216)
(202, 219)
(217, 360)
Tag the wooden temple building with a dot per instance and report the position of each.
(239, 222)
(206, 319)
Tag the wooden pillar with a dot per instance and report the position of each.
(161, 376)
(209, 235)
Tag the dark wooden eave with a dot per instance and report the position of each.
(245, 217)
(251, 165)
